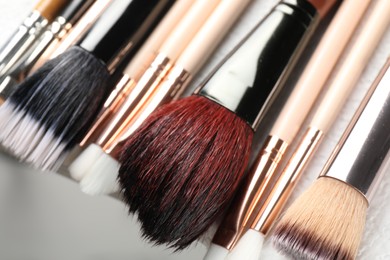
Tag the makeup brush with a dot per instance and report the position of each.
(44, 12)
(249, 197)
(49, 112)
(337, 92)
(74, 35)
(132, 73)
(180, 168)
(57, 29)
(327, 221)
(103, 172)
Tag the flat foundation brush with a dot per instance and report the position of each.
(49, 112)
(235, 234)
(82, 26)
(57, 29)
(102, 175)
(327, 221)
(32, 27)
(180, 168)
(132, 74)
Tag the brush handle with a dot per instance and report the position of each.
(50, 8)
(118, 24)
(74, 10)
(244, 82)
(363, 148)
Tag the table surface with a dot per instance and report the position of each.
(46, 216)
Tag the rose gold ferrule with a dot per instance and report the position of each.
(110, 107)
(176, 82)
(133, 102)
(277, 196)
(322, 6)
(247, 203)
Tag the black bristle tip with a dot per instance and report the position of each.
(180, 169)
(65, 94)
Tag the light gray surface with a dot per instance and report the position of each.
(45, 216)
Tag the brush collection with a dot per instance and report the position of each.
(176, 159)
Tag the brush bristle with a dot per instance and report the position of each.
(248, 247)
(81, 165)
(216, 252)
(326, 222)
(51, 110)
(180, 169)
(101, 178)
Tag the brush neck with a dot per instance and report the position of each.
(244, 82)
(114, 32)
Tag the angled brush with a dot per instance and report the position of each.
(57, 30)
(102, 175)
(49, 112)
(132, 74)
(346, 76)
(32, 27)
(180, 168)
(327, 221)
(79, 29)
(247, 203)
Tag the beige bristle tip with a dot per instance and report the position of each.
(325, 222)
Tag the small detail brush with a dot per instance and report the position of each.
(75, 33)
(102, 176)
(132, 73)
(248, 201)
(180, 168)
(49, 112)
(327, 221)
(31, 28)
(57, 29)
(337, 92)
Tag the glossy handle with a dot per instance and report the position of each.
(75, 9)
(50, 8)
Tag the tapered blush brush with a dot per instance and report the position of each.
(327, 221)
(82, 26)
(57, 29)
(180, 168)
(50, 111)
(132, 74)
(273, 192)
(102, 174)
(45, 11)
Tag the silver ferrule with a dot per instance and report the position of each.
(21, 41)
(360, 157)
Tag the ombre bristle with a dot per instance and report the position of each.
(326, 222)
(180, 169)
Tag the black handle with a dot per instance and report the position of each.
(115, 27)
(75, 9)
(273, 46)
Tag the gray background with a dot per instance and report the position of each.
(46, 216)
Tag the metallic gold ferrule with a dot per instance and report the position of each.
(286, 181)
(248, 201)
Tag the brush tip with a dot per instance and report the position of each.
(248, 247)
(80, 166)
(325, 222)
(102, 177)
(216, 252)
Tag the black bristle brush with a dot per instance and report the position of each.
(49, 112)
(180, 169)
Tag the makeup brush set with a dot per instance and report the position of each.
(96, 89)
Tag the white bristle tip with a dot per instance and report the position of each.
(248, 247)
(83, 163)
(216, 252)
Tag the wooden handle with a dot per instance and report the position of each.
(50, 8)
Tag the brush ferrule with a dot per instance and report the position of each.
(21, 41)
(247, 203)
(248, 80)
(361, 156)
(282, 187)
(174, 84)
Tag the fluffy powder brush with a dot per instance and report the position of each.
(49, 112)
(180, 169)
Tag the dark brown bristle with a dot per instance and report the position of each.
(181, 168)
(326, 222)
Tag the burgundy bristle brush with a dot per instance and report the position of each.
(52, 109)
(180, 169)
